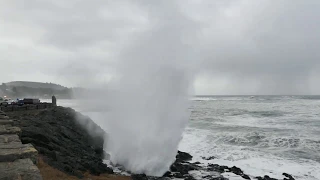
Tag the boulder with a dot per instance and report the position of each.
(8, 129)
(183, 168)
(9, 138)
(288, 176)
(208, 158)
(183, 156)
(21, 169)
(10, 152)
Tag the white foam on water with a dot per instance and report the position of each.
(199, 98)
(203, 99)
(253, 163)
(232, 176)
(199, 143)
(201, 174)
(266, 122)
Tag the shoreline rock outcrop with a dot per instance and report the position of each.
(182, 168)
(64, 143)
(62, 138)
(17, 160)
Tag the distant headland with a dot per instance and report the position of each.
(42, 90)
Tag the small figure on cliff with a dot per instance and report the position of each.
(54, 101)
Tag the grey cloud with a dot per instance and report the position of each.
(271, 46)
(279, 47)
(74, 24)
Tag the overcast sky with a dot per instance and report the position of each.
(232, 46)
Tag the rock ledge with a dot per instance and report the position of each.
(17, 160)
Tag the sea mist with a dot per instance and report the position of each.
(149, 109)
(146, 104)
(148, 117)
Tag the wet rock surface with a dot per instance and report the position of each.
(208, 158)
(182, 168)
(59, 134)
(287, 177)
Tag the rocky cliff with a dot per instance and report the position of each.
(62, 141)
(17, 160)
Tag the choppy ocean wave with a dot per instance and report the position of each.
(316, 97)
(262, 134)
(253, 158)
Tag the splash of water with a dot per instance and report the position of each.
(150, 107)
(147, 105)
(147, 120)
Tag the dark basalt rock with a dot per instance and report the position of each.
(245, 176)
(214, 178)
(218, 178)
(222, 169)
(168, 174)
(59, 134)
(139, 177)
(289, 177)
(183, 156)
(239, 172)
(265, 178)
(181, 168)
(208, 158)
(217, 168)
(189, 178)
(144, 177)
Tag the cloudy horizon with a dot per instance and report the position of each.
(242, 47)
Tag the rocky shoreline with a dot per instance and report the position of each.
(182, 168)
(17, 160)
(64, 143)
(62, 138)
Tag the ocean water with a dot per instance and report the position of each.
(263, 135)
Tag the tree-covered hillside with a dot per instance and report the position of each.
(23, 89)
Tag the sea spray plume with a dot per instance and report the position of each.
(147, 122)
(144, 108)
(149, 110)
